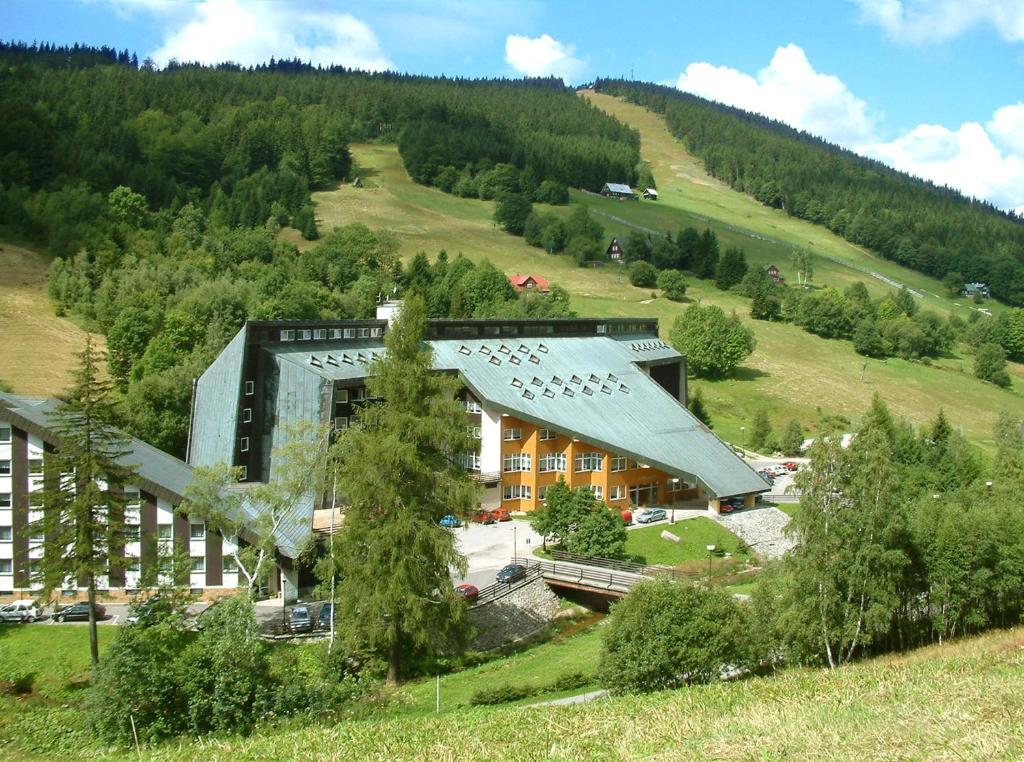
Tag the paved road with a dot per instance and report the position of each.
(579, 699)
(488, 547)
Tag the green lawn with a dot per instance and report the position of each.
(694, 537)
(537, 666)
(792, 374)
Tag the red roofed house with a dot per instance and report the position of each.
(529, 283)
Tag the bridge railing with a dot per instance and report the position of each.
(625, 566)
(499, 590)
(583, 575)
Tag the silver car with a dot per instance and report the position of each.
(19, 611)
(650, 515)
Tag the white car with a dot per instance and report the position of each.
(19, 611)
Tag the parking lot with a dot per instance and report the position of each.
(488, 547)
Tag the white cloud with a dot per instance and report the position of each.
(985, 161)
(790, 90)
(920, 22)
(252, 33)
(966, 159)
(542, 56)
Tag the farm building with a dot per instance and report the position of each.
(531, 283)
(618, 190)
(976, 289)
(650, 194)
(775, 275)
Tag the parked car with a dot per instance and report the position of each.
(732, 502)
(19, 611)
(300, 620)
(78, 612)
(323, 621)
(147, 608)
(511, 573)
(725, 508)
(768, 477)
(790, 465)
(204, 617)
(451, 521)
(650, 515)
(484, 517)
(467, 591)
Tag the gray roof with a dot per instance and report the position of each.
(333, 360)
(618, 188)
(160, 474)
(212, 434)
(592, 389)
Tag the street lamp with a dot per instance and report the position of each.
(711, 549)
(515, 551)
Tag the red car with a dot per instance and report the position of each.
(469, 592)
(501, 514)
(484, 517)
(725, 508)
(790, 465)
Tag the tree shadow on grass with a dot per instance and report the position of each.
(744, 373)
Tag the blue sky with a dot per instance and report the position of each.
(934, 87)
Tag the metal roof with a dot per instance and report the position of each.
(618, 188)
(211, 434)
(335, 360)
(592, 389)
(160, 474)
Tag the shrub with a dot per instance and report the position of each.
(713, 343)
(643, 275)
(503, 694)
(673, 283)
(990, 365)
(667, 633)
(571, 681)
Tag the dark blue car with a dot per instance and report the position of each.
(323, 621)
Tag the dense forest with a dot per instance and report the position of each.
(161, 195)
(928, 228)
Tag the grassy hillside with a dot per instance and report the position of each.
(39, 348)
(961, 700)
(792, 374)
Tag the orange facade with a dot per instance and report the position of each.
(629, 484)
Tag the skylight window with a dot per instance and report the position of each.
(484, 349)
(568, 392)
(514, 360)
(494, 360)
(315, 361)
(605, 389)
(347, 359)
(623, 388)
(517, 383)
(504, 350)
(332, 360)
(537, 382)
(534, 359)
(613, 378)
(542, 348)
(594, 379)
(528, 394)
(464, 350)
(588, 391)
(548, 393)
(576, 380)
(556, 380)
(523, 349)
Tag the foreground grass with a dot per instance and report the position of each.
(694, 536)
(963, 700)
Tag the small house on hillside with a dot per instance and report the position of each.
(775, 275)
(650, 194)
(615, 252)
(535, 283)
(618, 190)
(976, 289)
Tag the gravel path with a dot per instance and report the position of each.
(761, 528)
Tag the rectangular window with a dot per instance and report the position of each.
(164, 531)
(5, 499)
(132, 564)
(131, 533)
(472, 406)
(602, 328)
(335, 333)
(619, 463)
(197, 531)
(350, 333)
(341, 395)
(340, 422)
(319, 333)
(243, 473)
(542, 492)
(288, 335)
(546, 435)
(474, 432)
(198, 563)
(5, 468)
(554, 461)
(617, 492)
(247, 415)
(244, 444)
(6, 534)
(358, 395)
(35, 466)
(6, 566)
(470, 461)
(513, 434)
(230, 565)
(377, 332)
(250, 387)
(518, 492)
(36, 537)
(305, 334)
(598, 491)
(588, 461)
(363, 333)
(5, 433)
(517, 462)
(131, 497)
